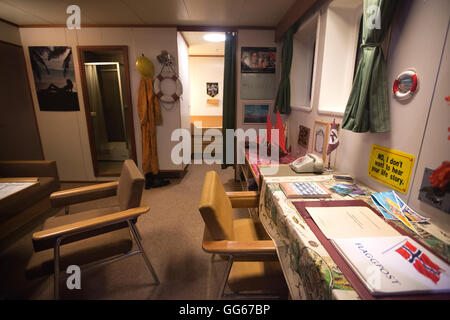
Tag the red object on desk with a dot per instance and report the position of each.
(283, 160)
(348, 272)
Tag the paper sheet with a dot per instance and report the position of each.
(350, 222)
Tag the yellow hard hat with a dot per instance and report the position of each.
(145, 67)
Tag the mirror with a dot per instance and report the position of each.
(107, 99)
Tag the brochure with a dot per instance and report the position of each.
(394, 265)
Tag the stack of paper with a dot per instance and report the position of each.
(350, 222)
(394, 265)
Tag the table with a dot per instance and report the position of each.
(309, 270)
(10, 187)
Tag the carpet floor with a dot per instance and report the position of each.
(172, 233)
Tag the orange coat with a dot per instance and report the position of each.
(150, 117)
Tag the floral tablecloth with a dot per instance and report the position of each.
(309, 270)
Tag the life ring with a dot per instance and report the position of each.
(407, 79)
(174, 93)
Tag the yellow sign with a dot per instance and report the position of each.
(391, 167)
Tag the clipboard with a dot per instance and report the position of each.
(342, 264)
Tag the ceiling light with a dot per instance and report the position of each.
(214, 37)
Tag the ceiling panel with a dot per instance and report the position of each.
(199, 46)
(170, 12)
(158, 12)
(263, 12)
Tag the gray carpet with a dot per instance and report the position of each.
(172, 234)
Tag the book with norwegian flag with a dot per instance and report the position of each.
(395, 265)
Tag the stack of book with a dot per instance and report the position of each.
(299, 190)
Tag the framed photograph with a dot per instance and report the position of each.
(321, 132)
(303, 136)
(212, 89)
(258, 59)
(255, 113)
(54, 78)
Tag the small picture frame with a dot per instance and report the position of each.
(321, 134)
(303, 136)
(255, 113)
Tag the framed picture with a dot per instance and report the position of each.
(258, 60)
(321, 132)
(54, 78)
(255, 113)
(303, 136)
(212, 89)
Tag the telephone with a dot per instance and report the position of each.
(308, 163)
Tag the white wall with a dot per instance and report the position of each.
(255, 38)
(417, 41)
(436, 145)
(184, 74)
(203, 70)
(9, 33)
(64, 135)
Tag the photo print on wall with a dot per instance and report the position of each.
(54, 78)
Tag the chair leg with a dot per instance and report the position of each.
(225, 278)
(56, 268)
(66, 209)
(144, 255)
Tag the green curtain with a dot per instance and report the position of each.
(283, 100)
(229, 89)
(368, 104)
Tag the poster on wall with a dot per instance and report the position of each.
(258, 81)
(258, 60)
(391, 167)
(255, 113)
(54, 78)
(212, 89)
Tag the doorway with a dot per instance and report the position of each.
(206, 73)
(108, 107)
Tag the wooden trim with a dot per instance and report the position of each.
(206, 56)
(295, 12)
(9, 22)
(185, 41)
(255, 247)
(178, 27)
(11, 44)
(89, 224)
(87, 108)
(84, 190)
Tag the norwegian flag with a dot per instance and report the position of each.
(333, 142)
(420, 261)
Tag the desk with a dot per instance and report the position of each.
(11, 187)
(309, 270)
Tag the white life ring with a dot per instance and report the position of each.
(411, 80)
(168, 89)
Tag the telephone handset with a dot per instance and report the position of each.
(308, 163)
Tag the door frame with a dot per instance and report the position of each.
(87, 107)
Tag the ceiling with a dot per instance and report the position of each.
(168, 12)
(199, 46)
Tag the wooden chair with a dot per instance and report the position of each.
(93, 237)
(252, 260)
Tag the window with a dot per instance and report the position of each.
(341, 45)
(302, 70)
